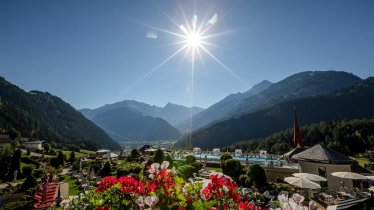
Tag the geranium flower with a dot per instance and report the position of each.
(106, 183)
(140, 202)
(164, 165)
(151, 201)
(154, 168)
(104, 208)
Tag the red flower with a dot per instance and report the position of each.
(128, 184)
(104, 208)
(106, 183)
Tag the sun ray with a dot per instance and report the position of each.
(224, 66)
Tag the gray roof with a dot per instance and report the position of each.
(4, 139)
(322, 154)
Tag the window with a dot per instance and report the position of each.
(322, 172)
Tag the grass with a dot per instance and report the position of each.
(362, 161)
(77, 154)
(73, 186)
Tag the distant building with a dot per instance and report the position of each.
(4, 140)
(238, 152)
(323, 161)
(33, 145)
(216, 151)
(196, 150)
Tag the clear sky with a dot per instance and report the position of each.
(94, 52)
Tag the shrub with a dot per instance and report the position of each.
(242, 179)
(190, 159)
(168, 158)
(27, 170)
(106, 170)
(186, 171)
(30, 182)
(28, 160)
(197, 165)
(159, 156)
(129, 168)
(224, 157)
(257, 176)
(18, 205)
(38, 173)
(134, 154)
(232, 168)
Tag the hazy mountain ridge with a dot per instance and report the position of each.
(221, 108)
(125, 123)
(45, 116)
(356, 101)
(172, 113)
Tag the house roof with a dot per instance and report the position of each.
(4, 139)
(33, 142)
(322, 154)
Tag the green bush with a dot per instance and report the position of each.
(190, 159)
(30, 182)
(186, 171)
(257, 176)
(159, 156)
(38, 173)
(224, 157)
(27, 170)
(134, 154)
(129, 168)
(106, 170)
(28, 160)
(18, 205)
(242, 179)
(232, 168)
(197, 165)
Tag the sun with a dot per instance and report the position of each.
(193, 40)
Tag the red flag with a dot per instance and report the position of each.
(298, 141)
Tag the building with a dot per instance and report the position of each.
(4, 140)
(33, 145)
(216, 151)
(323, 161)
(196, 150)
(238, 152)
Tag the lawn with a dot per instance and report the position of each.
(77, 154)
(215, 169)
(73, 186)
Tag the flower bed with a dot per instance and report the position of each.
(161, 189)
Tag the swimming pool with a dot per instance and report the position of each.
(243, 159)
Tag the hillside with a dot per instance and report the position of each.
(44, 116)
(356, 101)
(303, 84)
(221, 108)
(348, 136)
(127, 124)
(172, 113)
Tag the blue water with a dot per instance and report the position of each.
(253, 159)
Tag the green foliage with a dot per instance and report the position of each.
(232, 168)
(242, 179)
(190, 159)
(186, 171)
(5, 157)
(41, 115)
(30, 182)
(347, 136)
(224, 157)
(129, 168)
(159, 156)
(106, 170)
(28, 160)
(18, 205)
(257, 176)
(168, 158)
(15, 164)
(72, 157)
(135, 154)
(27, 170)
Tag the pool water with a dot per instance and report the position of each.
(242, 159)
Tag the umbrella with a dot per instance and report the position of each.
(303, 183)
(348, 175)
(371, 188)
(311, 177)
(370, 177)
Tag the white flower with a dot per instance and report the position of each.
(225, 189)
(298, 198)
(154, 168)
(140, 202)
(151, 200)
(282, 198)
(164, 165)
(151, 176)
(173, 171)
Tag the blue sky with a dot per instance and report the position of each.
(91, 52)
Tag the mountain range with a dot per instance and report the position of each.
(355, 101)
(131, 120)
(45, 116)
